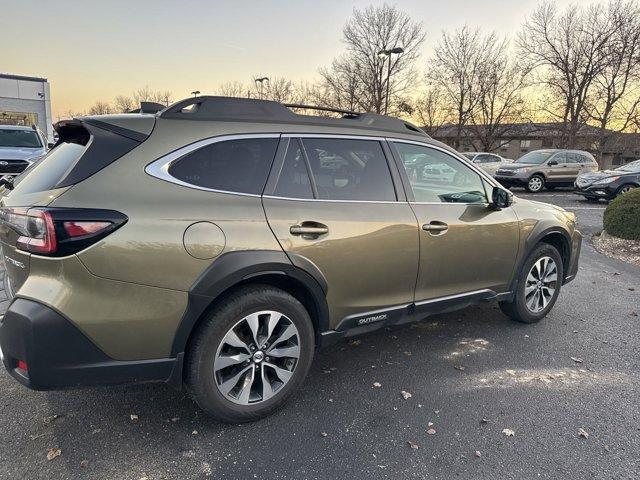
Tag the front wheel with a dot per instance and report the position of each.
(537, 287)
(535, 184)
(250, 354)
(625, 189)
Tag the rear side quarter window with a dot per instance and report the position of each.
(238, 166)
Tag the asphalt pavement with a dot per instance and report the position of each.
(474, 376)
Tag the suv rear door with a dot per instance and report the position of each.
(332, 201)
(467, 249)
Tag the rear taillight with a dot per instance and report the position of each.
(39, 235)
(59, 231)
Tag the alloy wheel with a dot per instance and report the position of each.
(540, 284)
(535, 184)
(626, 189)
(257, 357)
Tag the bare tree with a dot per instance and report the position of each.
(124, 104)
(569, 51)
(431, 111)
(359, 77)
(501, 83)
(456, 69)
(100, 108)
(615, 101)
(145, 94)
(233, 89)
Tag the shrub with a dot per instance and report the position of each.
(622, 216)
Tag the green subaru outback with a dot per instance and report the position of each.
(216, 243)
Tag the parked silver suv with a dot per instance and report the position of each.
(546, 168)
(19, 148)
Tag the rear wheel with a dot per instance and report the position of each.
(535, 184)
(538, 286)
(250, 354)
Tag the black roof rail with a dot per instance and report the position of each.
(322, 109)
(254, 110)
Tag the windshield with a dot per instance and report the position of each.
(630, 167)
(19, 138)
(536, 158)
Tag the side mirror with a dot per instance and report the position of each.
(552, 162)
(501, 198)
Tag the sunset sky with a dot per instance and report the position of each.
(94, 51)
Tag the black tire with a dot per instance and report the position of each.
(627, 187)
(517, 308)
(209, 335)
(530, 187)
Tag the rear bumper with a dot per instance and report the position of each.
(58, 355)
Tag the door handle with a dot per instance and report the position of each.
(310, 229)
(435, 227)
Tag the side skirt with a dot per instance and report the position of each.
(408, 313)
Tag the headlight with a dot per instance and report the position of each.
(521, 170)
(604, 181)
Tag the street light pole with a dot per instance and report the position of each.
(261, 80)
(387, 53)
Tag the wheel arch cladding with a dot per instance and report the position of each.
(233, 270)
(555, 236)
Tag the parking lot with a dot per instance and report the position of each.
(473, 376)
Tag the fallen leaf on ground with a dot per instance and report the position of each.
(408, 354)
(431, 431)
(355, 343)
(459, 367)
(484, 421)
(406, 395)
(430, 424)
(323, 434)
(195, 432)
(508, 432)
(634, 314)
(577, 360)
(413, 445)
(583, 433)
(134, 418)
(84, 463)
(53, 453)
(477, 454)
(52, 418)
(377, 384)
(175, 419)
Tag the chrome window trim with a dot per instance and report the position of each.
(160, 168)
(394, 202)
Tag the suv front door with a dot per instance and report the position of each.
(332, 202)
(467, 248)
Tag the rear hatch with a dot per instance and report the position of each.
(85, 146)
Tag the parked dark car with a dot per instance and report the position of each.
(608, 184)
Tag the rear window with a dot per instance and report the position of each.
(19, 138)
(239, 166)
(46, 173)
(82, 150)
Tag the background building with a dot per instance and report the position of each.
(26, 101)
